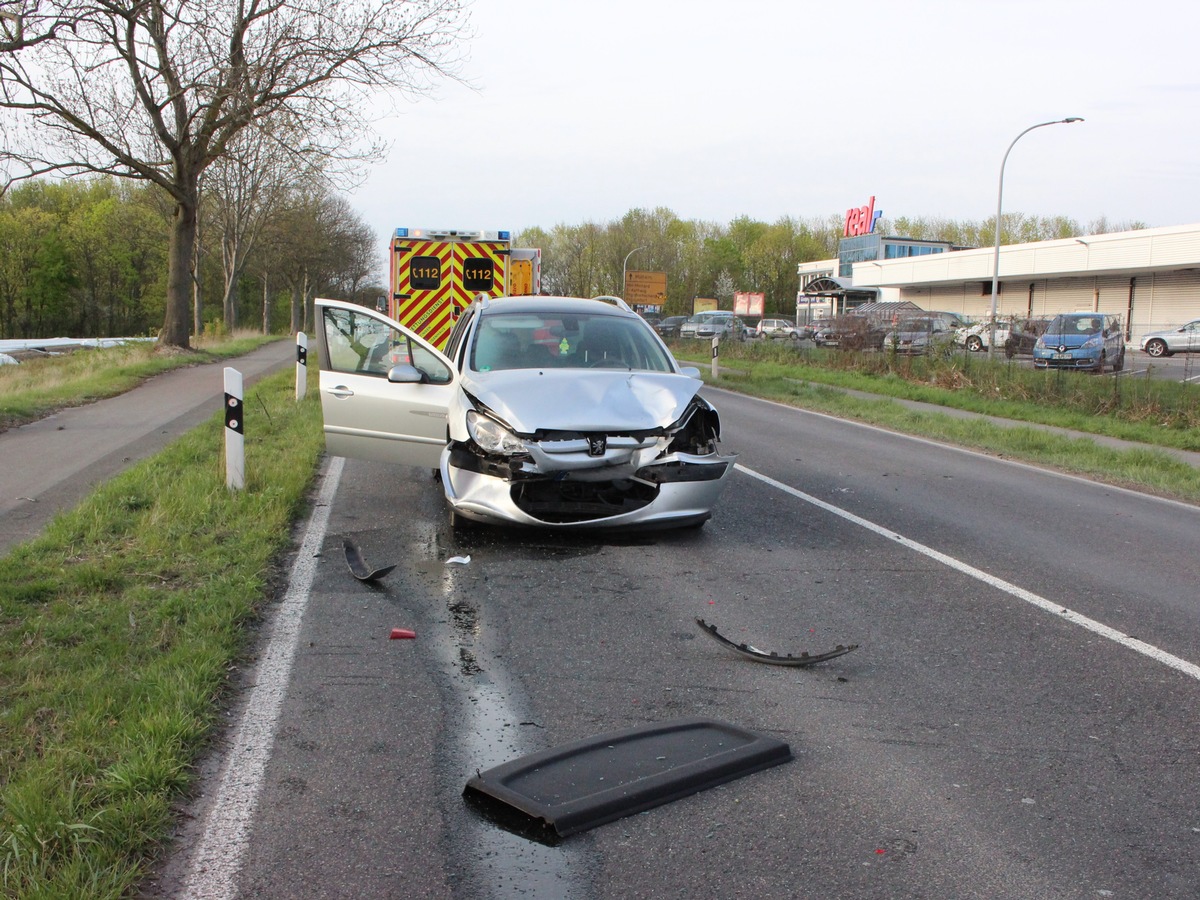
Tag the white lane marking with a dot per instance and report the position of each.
(1056, 609)
(218, 860)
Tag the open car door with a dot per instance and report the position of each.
(384, 390)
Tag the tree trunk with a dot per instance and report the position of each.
(179, 273)
(197, 289)
(230, 303)
(266, 309)
(297, 306)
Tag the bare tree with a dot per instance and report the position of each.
(159, 89)
(251, 183)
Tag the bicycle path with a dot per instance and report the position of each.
(51, 465)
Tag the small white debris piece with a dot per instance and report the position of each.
(459, 559)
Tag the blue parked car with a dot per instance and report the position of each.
(1089, 341)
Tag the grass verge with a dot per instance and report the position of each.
(37, 387)
(118, 628)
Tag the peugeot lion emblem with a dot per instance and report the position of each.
(597, 444)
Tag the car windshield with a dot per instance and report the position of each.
(918, 324)
(537, 340)
(1074, 325)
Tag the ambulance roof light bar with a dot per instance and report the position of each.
(453, 235)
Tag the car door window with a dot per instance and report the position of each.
(456, 336)
(361, 344)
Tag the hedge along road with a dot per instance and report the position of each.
(50, 465)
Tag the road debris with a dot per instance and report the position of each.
(551, 794)
(358, 566)
(771, 657)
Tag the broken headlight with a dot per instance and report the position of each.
(491, 436)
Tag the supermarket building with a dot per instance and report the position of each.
(1149, 277)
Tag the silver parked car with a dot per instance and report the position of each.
(1185, 339)
(778, 328)
(920, 334)
(714, 323)
(542, 411)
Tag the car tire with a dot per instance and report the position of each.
(974, 343)
(1157, 348)
(1120, 362)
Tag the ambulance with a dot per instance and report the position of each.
(436, 274)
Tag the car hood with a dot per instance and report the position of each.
(1067, 340)
(529, 400)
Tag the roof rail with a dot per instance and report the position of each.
(615, 301)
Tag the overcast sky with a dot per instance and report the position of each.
(584, 109)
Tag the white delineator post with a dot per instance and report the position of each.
(235, 449)
(716, 343)
(301, 364)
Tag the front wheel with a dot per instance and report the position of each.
(974, 343)
(1157, 348)
(1120, 362)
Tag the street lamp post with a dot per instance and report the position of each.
(627, 255)
(999, 207)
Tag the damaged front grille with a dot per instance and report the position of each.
(563, 500)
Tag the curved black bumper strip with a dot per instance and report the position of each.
(771, 657)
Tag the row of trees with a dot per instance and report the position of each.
(704, 259)
(88, 258)
(172, 92)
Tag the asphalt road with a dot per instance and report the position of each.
(52, 464)
(1019, 720)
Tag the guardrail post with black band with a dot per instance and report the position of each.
(235, 449)
(716, 343)
(301, 364)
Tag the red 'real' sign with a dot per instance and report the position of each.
(861, 219)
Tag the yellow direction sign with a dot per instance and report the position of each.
(645, 288)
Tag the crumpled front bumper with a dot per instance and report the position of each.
(675, 490)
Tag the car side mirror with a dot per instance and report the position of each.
(405, 373)
(690, 371)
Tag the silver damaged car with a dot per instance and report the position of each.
(541, 411)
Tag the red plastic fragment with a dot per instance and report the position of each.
(399, 634)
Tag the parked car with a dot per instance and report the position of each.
(1185, 339)
(542, 411)
(1089, 341)
(978, 336)
(778, 328)
(669, 327)
(713, 323)
(811, 329)
(1023, 334)
(851, 332)
(920, 334)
